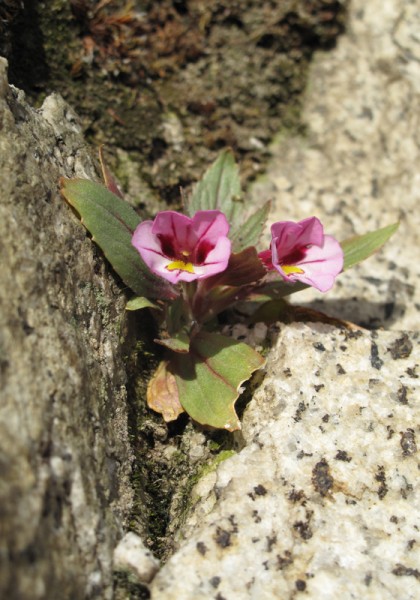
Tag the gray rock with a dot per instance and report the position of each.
(357, 166)
(323, 497)
(64, 451)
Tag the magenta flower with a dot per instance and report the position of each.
(179, 248)
(301, 252)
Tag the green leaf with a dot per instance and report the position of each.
(178, 343)
(140, 302)
(210, 376)
(249, 233)
(274, 288)
(178, 316)
(360, 247)
(270, 312)
(111, 221)
(219, 189)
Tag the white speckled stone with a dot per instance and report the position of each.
(357, 168)
(324, 496)
(132, 555)
(323, 499)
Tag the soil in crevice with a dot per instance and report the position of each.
(170, 83)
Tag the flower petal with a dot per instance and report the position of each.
(176, 228)
(217, 259)
(211, 224)
(179, 248)
(146, 242)
(287, 236)
(320, 266)
(181, 275)
(266, 259)
(150, 250)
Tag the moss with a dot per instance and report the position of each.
(126, 587)
(214, 463)
(183, 499)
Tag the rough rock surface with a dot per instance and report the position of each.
(169, 83)
(322, 500)
(132, 555)
(323, 496)
(357, 167)
(64, 452)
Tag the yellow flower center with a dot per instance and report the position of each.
(288, 269)
(181, 266)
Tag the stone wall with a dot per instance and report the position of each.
(64, 452)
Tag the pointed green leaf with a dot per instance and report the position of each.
(219, 189)
(210, 376)
(111, 221)
(140, 302)
(360, 247)
(249, 233)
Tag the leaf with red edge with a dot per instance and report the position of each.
(209, 378)
(162, 393)
(111, 221)
(217, 293)
(110, 182)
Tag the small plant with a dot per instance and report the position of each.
(188, 268)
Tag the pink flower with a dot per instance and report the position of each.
(179, 248)
(301, 252)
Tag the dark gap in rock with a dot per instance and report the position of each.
(28, 67)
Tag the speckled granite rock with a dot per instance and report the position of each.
(357, 168)
(323, 498)
(64, 451)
